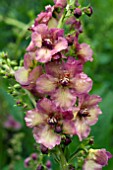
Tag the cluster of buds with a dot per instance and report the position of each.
(56, 79)
(33, 161)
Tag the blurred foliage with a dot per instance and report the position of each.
(15, 18)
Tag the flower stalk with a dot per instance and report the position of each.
(53, 78)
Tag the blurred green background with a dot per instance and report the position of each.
(15, 16)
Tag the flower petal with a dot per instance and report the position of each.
(21, 76)
(91, 165)
(46, 105)
(73, 66)
(54, 68)
(37, 39)
(93, 115)
(43, 55)
(92, 100)
(81, 83)
(46, 136)
(60, 45)
(34, 117)
(82, 129)
(64, 97)
(69, 127)
(45, 84)
(85, 52)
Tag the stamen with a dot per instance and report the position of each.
(52, 121)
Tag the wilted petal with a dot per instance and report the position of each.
(81, 83)
(43, 55)
(91, 165)
(33, 118)
(46, 136)
(64, 97)
(21, 76)
(45, 84)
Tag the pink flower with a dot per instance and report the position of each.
(46, 43)
(49, 123)
(44, 17)
(11, 123)
(60, 3)
(63, 82)
(27, 78)
(86, 114)
(96, 159)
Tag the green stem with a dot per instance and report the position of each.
(13, 22)
(31, 97)
(63, 161)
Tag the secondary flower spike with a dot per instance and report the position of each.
(64, 81)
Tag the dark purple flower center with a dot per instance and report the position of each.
(47, 43)
(83, 113)
(52, 121)
(65, 79)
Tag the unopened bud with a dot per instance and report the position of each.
(77, 12)
(34, 156)
(44, 150)
(67, 141)
(58, 129)
(27, 162)
(88, 11)
(71, 167)
(17, 86)
(48, 164)
(40, 167)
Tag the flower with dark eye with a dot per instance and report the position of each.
(49, 123)
(64, 81)
(47, 42)
(86, 114)
(96, 159)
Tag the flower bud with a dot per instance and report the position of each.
(27, 162)
(71, 167)
(67, 141)
(34, 156)
(40, 167)
(58, 129)
(44, 150)
(77, 12)
(48, 164)
(88, 11)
